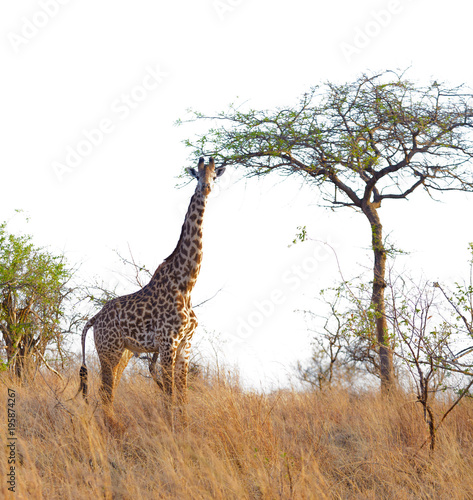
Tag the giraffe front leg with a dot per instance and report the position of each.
(168, 360)
(181, 371)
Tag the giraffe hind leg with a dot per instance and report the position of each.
(110, 373)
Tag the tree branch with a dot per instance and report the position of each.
(405, 193)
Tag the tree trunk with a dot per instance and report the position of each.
(379, 284)
(19, 352)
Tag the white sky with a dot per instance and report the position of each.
(133, 68)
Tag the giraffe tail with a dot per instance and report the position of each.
(83, 381)
(83, 373)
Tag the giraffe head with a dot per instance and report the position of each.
(206, 175)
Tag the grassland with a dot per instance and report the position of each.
(235, 445)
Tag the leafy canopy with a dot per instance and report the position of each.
(379, 137)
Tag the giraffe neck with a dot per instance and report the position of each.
(186, 258)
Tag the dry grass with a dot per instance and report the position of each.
(235, 444)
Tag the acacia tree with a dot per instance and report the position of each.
(381, 137)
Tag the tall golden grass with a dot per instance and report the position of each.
(234, 444)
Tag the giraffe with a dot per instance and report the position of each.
(158, 318)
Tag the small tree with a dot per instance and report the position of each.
(379, 138)
(33, 291)
(344, 341)
(327, 349)
(428, 338)
(428, 327)
(343, 346)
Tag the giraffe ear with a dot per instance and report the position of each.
(192, 171)
(219, 171)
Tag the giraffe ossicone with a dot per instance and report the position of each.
(158, 318)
